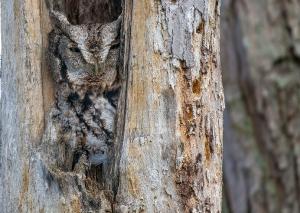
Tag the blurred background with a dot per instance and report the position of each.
(260, 52)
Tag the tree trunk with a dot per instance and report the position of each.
(167, 149)
(261, 54)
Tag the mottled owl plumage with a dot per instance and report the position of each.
(86, 113)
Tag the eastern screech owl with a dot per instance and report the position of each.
(83, 60)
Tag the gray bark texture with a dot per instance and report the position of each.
(159, 117)
(261, 61)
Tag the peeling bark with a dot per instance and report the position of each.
(172, 150)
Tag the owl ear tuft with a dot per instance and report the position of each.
(58, 19)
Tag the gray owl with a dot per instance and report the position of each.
(85, 99)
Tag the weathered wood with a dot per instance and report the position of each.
(172, 147)
(22, 112)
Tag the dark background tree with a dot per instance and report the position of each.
(261, 68)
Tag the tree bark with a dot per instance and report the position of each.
(167, 154)
(22, 105)
(260, 59)
(171, 153)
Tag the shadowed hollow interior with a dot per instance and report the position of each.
(90, 11)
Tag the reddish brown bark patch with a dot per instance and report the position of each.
(25, 187)
(188, 171)
(196, 87)
(208, 150)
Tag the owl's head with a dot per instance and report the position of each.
(93, 40)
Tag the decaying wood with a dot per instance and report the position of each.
(22, 112)
(167, 153)
(172, 147)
